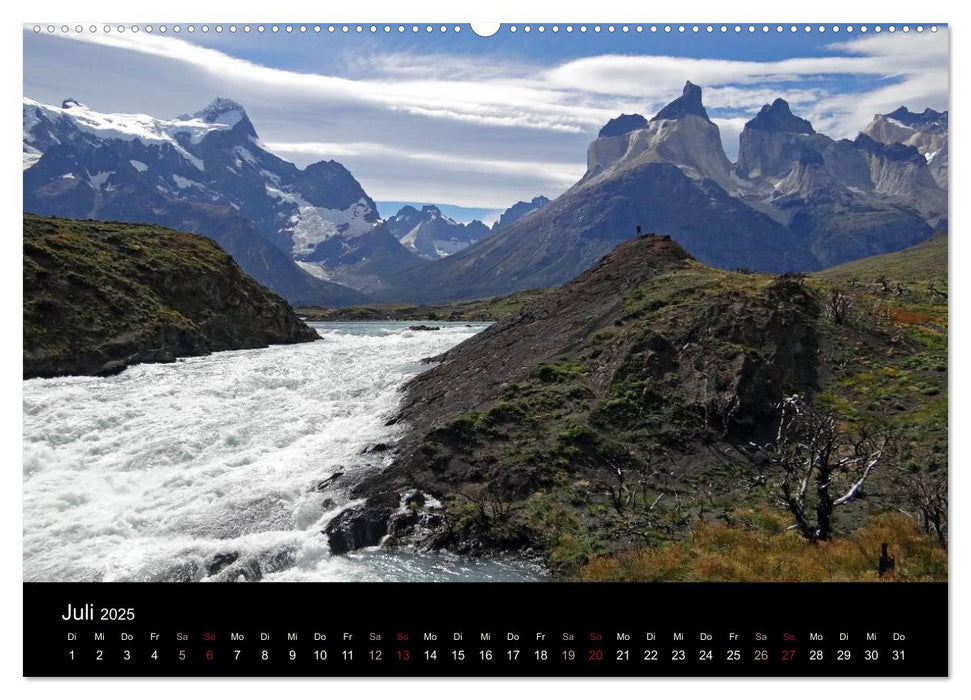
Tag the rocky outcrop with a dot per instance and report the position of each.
(844, 199)
(364, 525)
(99, 297)
(778, 117)
(688, 103)
(624, 124)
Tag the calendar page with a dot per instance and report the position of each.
(543, 349)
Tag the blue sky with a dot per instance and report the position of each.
(475, 122)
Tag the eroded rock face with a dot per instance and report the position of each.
(746, 360)
(927, 131)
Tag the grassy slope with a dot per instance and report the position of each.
(492, 309)
(97, 292)
(541, 451)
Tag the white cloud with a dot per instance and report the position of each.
(564, 174)
(486, 131)
(543, 177)
(495, 103)
(729, 129)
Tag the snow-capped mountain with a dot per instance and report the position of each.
(87, 164)
(430, 234)
(926, 131)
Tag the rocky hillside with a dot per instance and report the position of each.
(99, 297)
(518, 210)
(616, 412)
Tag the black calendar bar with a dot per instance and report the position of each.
(490, 629)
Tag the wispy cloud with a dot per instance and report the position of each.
(560, 175)
(514, 103)
(486, 130)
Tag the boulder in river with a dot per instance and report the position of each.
(363, 525)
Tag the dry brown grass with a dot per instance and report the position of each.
(757, 547)
(904, 316)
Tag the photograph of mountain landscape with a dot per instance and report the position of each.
(564, 303)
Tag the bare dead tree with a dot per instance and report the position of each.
(490, 506)
(821, 467)
(631, 478)
(927, 492)
(618, 494)
(838, 305)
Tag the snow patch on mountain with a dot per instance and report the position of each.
(125, 127)
(98, 179)
(312, 225)
(184, 182)
(314, 269)
(160, 168)
(30, 157)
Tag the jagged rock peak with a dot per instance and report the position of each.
(778, 117)
(623, 124)
(891, 151)
(70, 102)
(219, 109)
(908, 118)
(688, 103)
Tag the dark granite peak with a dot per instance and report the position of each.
(927, 117)
(624, 124)
(688, 103)
(778, 117)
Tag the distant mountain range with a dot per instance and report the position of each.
(430, 234)
(795, 200)
(312, 235)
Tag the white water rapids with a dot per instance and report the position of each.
(150, 474)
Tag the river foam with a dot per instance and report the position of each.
(156, 473)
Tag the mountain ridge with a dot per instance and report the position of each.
(795, 200)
